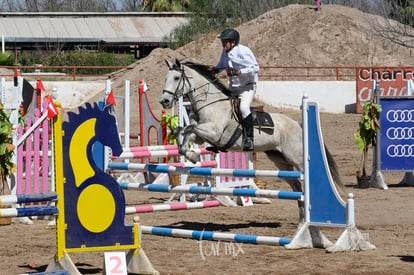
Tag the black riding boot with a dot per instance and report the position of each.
(247, 124)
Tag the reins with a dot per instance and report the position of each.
(180, 88)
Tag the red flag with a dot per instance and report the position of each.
(110, 98)
(51, 108)
(39, 85)
(16, 75)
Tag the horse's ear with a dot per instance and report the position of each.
(177, 62)
(168, 63)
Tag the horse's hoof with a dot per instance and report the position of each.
(191, 157)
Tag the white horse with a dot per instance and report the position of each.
(213, 121)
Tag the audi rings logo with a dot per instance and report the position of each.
(400, 133)
(400, 115)
(400, 150)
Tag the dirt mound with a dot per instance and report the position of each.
(295, 35)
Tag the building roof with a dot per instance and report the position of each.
(110, 27)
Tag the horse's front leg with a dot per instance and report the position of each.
(184, 147)
(178, 133)
(197, 134)
(184, 139)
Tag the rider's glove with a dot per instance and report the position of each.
(232, 72)
(214, 70)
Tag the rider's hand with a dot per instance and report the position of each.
(214, 70)
(232, 72)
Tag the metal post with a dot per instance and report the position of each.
(305, 157)
(377, 178)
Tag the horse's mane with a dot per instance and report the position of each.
(205, 71)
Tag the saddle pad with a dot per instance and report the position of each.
(263, 120)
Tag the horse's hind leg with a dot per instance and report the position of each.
(280, 161)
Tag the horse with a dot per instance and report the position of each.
(213, 121)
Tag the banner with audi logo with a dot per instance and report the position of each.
(396, 138)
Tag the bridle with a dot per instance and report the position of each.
(179, 91)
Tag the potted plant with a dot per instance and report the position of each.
(366, 136)
(171, 122)
(7, 167)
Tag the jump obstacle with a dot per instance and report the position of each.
(323, 205)
(80, 226)
(32, 141)
(33, 154)
(321, 197)
(91, 204)
(317, 197)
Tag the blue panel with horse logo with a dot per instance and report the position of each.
(96, 216)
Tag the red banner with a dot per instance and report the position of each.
(392, 82)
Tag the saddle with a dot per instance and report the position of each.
(261, 119)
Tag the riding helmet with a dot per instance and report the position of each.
(230, 34)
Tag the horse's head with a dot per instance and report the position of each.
(107, 130)
(176, 84)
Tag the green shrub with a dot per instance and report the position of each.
(6, 59)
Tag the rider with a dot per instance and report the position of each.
(242, 70)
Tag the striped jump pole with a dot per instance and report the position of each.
(152, 148)
(28, 211)
(249, 173)
(205, 163)
(171, 207)
(214, 236)
(156, 154)
(27, 198)
(259, 193)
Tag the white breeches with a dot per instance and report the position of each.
(246, 98)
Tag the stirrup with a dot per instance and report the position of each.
(248, 144)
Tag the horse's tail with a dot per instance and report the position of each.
(333, 168)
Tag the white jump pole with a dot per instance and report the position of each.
(127, 113)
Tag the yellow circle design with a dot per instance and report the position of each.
(96, 208)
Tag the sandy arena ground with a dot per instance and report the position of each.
(335, 36)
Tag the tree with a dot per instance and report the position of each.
(32, 6)
(131, 5)
(58, 5)
(11, 5)
(54, 5)
(165, 5)
(396, 26)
